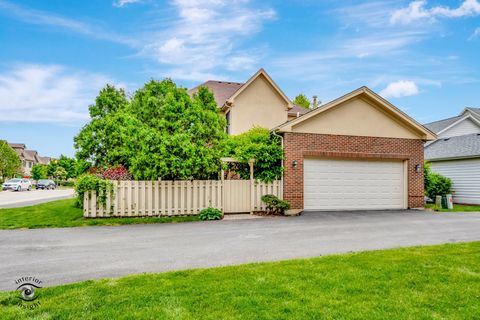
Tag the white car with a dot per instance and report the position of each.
(18, 184)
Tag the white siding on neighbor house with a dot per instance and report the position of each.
(331, 184)
(465, 175)
(465, 127)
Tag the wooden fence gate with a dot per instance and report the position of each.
(170, 198)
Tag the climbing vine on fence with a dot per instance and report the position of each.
(90, 182)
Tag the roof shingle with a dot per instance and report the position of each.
(454, 147)
(439, 125)
(222, 90)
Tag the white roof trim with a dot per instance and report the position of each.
(269, 79)
(429, 135)
(468, 116)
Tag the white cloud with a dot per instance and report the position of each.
(122, 3)
(402, 88)
(475, 33)
(37, 17)
(205, 35)
(200, 37)
(417, 11)
(47, 93)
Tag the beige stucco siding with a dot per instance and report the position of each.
(356, 117)
(258, 105)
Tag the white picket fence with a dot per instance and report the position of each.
(175, 198)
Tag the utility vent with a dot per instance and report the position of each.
(446, 139)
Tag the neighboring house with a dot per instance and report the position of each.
(257, 102)
(28, 157)
(456, 154)
(355, 152)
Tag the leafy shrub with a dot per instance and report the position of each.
(435, 184)
(89, 182)
(261, 145)
(211, 214)
(275, 205)
(39, 171)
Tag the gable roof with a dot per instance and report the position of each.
(362, 91)
(225, 92)
(17, 145)
(222, 90)
(474, 111)
(30, 154)
(257, 74)
(466, 146)
(444, 125)
(296, 109)
(440, 125)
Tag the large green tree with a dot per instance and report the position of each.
(302, 101)
(177, 136)
(69, 164)
(161, 132)
(10, 163)
(39, 171)
(102, 141)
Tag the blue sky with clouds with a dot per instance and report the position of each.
(424, 56)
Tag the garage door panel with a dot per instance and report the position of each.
(353, 184)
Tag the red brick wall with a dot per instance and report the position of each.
(299, 145)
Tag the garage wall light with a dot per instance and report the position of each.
(418, 168)
(294, 163)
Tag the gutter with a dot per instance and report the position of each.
(454, 158)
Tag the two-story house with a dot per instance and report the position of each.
(355, 152)
(456, 153)
(28, 157)
(257, 102)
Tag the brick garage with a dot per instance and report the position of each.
(301, 145)
(356, 152)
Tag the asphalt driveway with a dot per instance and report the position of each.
(72, 254)
(15, 199)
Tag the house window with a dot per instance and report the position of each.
(227, 116)
(30, 164)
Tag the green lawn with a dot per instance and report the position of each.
(437, 282)
(456, 208)
(63, 213)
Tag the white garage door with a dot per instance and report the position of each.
(353, 184)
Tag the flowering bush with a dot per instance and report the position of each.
(117, 173)
(112, 173)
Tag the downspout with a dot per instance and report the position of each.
(282, 162)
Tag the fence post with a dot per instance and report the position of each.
(252, 182)
(86, 205)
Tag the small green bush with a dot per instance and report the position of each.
(211, 214)
(65, 183)
(275, 205)
(89, 182)
(435, 184)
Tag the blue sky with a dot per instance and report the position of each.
(56, 55)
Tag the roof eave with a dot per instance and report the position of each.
(453, 158)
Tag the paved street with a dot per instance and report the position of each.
(13, 199)
(72, 254)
